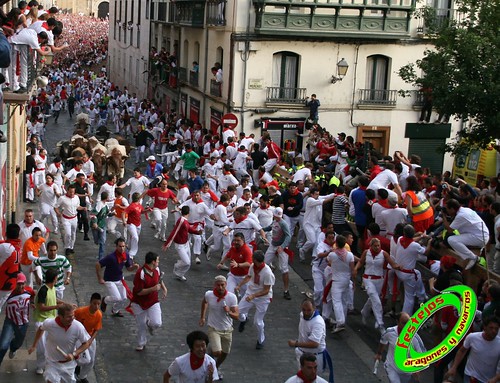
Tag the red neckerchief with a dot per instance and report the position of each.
(121, 257)
(45, 26)
(213, 196)
(226, 129)
(226, 173)
(152, 166)
(232, 144)
(405, 242)
(110, 183)
(242, 150)
(341, 253)
(362, 187)
(241, 219)
(42, 157)
(200, 201)
(245, 199)
(255, 195)
(384, 203)
(220, 297)
(256, 271)
(137, 177)
(300, 374)
(58, 321)
(195, 362)
(294, 194)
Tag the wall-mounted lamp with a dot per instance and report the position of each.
(342, 67)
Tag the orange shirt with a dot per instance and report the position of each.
(91, 322)
(32, 246)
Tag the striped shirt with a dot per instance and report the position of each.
(60, 263)
(339, 211)
(17, 306)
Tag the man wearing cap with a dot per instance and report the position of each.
(153, 169)
(16, 317)
(260, 279)
(280, 239)
(222, 309)
(313, 105)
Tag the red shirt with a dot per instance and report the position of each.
(273, 151)
(144, 279)
(134, 211)
(161, 197)
(180, 232)
(10, 256)
(241, 255)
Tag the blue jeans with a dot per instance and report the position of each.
(100, 239)
(13, 336)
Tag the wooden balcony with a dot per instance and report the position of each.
(378, 98)
(372, 19)
(282, 95)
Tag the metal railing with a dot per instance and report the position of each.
(285, 95)
(215, 88)
(381, 97)
(183, 74)
(216, 12)
(431, 20)
(193, 78)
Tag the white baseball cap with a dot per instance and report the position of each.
(151, 158)
(278, 212)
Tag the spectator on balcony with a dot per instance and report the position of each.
(53, 28)
(313, 105)
(196, 67)
(217, 72)
(20, 42)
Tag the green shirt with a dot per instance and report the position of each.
(190, 159)
(60, 263)
(47, 296)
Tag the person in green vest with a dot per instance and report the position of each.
(46, 304)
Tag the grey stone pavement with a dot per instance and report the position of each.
(117, 361)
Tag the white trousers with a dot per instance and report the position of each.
(160, 217)
(47, 211)
(117, 295)
(270, 164)
(460, 242)
(30, 191)
(261, 304)
(413, 285)
(69, 237)
(196, 239)
(89, 360)
(340, 291)
(219, 240)
(183, 264)
(133, 233)
(311, 234)
(373, 289)
(272, 251)
(39, 177)
(292, 222)
(396, 376)
(113, 222)
(144, 319)
(233, 281)
(29, 271)
(318, 274)
(40, 348)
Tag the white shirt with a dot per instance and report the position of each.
(67, 339)
(181, 368)
(226, 134)
(226, 180)
(26, 230)
(389, 218)
(468, 222)
(314, 330)
(218, 319)
(407, 258)
(183, 194)
(240, 162)
(266, 278)
(390, 337)
(265, 216)
(68, 206)
(341, 269)
(137, 185)
(484, 357)
(383, 179)
(302, 174)
(247, 227)
(246, 142)
(314, 210)
(197, 211)
(220, 213)
(48, 193)
(296, 379)
(374, 265)
(25, 36)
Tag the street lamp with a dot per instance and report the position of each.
(342, 67)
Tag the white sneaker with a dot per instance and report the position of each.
(224, 267)
(363, 319)
(157, 235)
(181, 278)
(208, 256)
(197, 260)
(471, 263)
(139, 348)
(380, 327)
(39, 371)
(338, 328)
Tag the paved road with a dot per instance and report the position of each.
(117, 360)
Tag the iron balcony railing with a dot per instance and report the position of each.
(193, 78)
(216, 12)
(183, 74)
(431, 20)
(215, 88)
(380, 97)
(284, 95)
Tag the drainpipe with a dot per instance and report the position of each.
(205, 76)
(353, 124)
(244, 57)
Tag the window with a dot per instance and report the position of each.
(147, 7)
(285, 75)
(162, 12)
(377, 79)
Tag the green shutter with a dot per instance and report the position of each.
(430, 150)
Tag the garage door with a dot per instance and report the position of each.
(431, 152)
